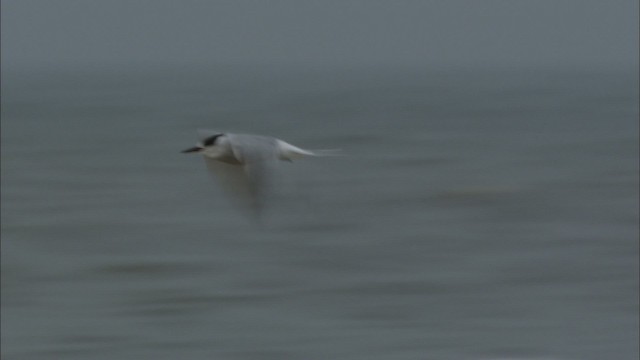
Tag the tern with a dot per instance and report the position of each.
(244, 163)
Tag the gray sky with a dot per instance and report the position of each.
(322, 32)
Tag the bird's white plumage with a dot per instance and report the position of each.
(244, 164)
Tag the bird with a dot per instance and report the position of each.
(244, 164)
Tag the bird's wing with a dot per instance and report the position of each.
(231, 178)
(251, 181)
(258, 155)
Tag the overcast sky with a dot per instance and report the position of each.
(347, 32)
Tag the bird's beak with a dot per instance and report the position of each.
(193, 149)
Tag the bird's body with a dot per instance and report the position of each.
(238, 148)
(244, 164)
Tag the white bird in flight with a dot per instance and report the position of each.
(244, 163)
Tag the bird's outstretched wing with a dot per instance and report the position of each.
(232, 179)
(251, 180)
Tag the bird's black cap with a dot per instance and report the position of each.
(193, 149)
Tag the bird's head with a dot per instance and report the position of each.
(207, 143)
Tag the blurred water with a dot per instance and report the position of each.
(477, 215)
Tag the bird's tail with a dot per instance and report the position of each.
(290, 152)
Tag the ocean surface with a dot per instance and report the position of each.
(476, 214)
